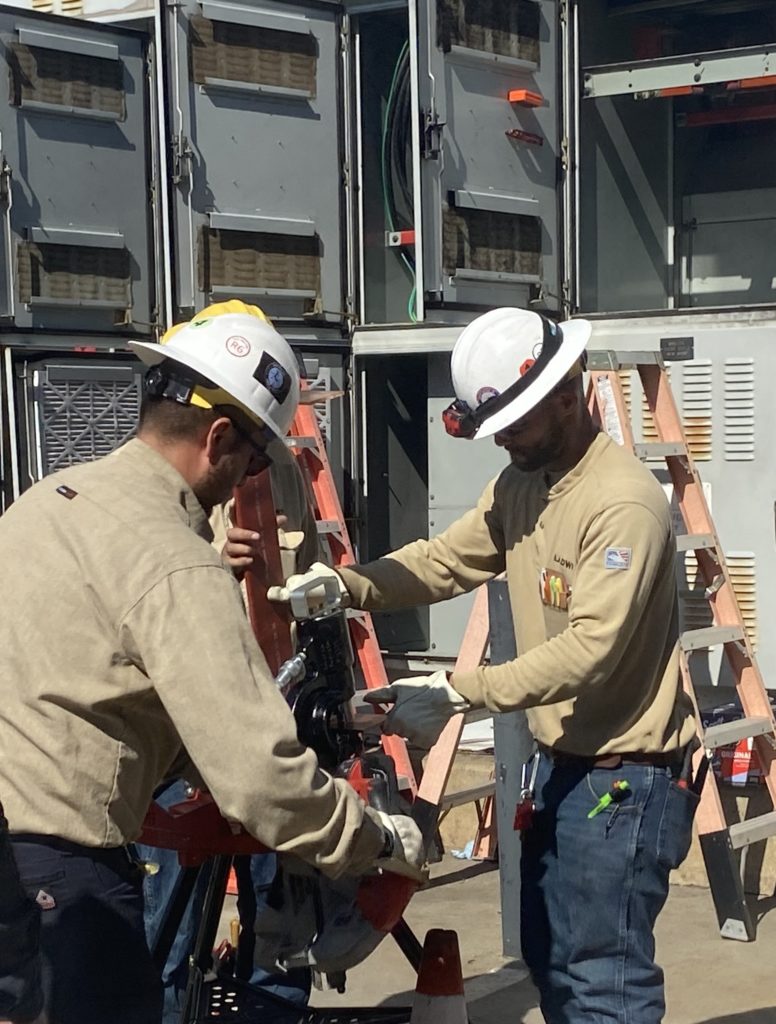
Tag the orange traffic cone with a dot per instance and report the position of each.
(439, 997)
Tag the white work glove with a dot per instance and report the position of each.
(407, 850)
(422, 707)
(315, 596)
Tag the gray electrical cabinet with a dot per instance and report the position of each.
(75, 222)
(256, 163)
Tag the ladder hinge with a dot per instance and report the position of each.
(565, 154)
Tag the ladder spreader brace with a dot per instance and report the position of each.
(719, 839)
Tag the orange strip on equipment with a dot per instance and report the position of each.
(525, 98)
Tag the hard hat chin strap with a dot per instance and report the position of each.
(462, 421)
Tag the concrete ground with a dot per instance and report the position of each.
(708, 980)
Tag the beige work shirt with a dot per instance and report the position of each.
(123, 640)
(590, 569)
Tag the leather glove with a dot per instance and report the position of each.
(405, 852)
(422, 707)
(315, 596)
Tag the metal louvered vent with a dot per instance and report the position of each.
(491, 241)
(742, 568)
(696, 407)
(251, 263)
(739, 410)
(223, 52)
(74, 275)
(82, 412)
(648, 428)
(694, 610)
(493, 26)
(71, 81)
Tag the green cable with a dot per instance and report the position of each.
(412, 300)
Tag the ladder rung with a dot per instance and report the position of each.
(659, 449)
(698, 639)
(725, 733)
(696, 542)
(328, 526)
(605, 359)
(742, 833)
(467, 796)
(301, 442)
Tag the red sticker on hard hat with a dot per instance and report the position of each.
(238, 346)
(526, 366)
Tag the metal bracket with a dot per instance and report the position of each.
(714, 586)
(431, 141)
(182, 154)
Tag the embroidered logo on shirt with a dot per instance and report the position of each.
(66, 492)
(45, 901)
(554, 589)
(617, 558)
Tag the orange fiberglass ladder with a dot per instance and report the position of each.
(719, 839)
(306, 442)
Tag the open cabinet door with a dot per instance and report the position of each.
(489, 93)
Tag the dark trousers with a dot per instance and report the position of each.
(96, 965)
(592, 889)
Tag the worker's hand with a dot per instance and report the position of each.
(315, 596)
(422, 707)
(407, 854)
(242, 547)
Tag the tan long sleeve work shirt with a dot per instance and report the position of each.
(123, 640)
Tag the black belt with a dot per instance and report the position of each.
(673, 759)
(109, 855)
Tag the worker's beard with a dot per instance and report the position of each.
(218, 485)
(541, 455)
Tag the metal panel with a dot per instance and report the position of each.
(490, 166)
(257, 164)
(74, 195)
(726, 242)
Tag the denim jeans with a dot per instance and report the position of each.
(254, 876)
(96, 965)
(592, 889)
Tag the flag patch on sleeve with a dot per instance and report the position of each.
(617, 558)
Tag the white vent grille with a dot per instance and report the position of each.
(696, 407)
(739, 410)
(696, 610)
(741, 566)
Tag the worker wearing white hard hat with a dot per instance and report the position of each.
(583, 532)
(127, 658)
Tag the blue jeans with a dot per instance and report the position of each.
(254, 875)
(592, 889)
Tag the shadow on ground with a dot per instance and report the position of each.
(767, 1015)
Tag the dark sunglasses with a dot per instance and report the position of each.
(260, 457)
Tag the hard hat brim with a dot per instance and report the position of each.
(576, 335)
(151, 353)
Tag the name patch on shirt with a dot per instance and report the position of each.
(618, 558)
(554, 589)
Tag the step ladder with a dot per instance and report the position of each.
(306, 441)
(719, 839)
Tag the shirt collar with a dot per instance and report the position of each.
(571, 478)
(151, 462)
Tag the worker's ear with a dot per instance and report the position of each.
(218, 439)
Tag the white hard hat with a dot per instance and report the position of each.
(241, 360)
(505, 362)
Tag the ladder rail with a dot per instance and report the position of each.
(316, 468)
